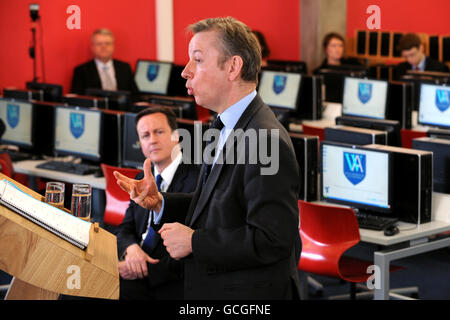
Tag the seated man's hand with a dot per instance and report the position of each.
(124, 272)
(136, 263)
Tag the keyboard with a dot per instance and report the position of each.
(81, 169)
(374, 222)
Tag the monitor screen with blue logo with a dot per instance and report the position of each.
(153, 76)
(365, 98)
(78, 132)
(132, 155)
(434, 105)
(18, 119)
(356, 176)
(280, 89)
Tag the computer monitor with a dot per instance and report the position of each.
(78, 132)
(334, 77)
(17, 115)
(357, 177)
(287, 66)
(114, 100)
(132, 155)
(280, 90)
(184, 107)
(153, 76)
(23, 94)
(365, 98)
(77, 100)
(434, 106)
(417, 78)
(392, 127)
(51, 92)
(177, 84)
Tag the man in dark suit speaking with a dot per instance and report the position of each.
(137, 241)
(240, 239)
(103, 72)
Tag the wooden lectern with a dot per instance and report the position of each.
(45, 265)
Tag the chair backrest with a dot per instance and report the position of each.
(6, 165)
(326, 231)
(314, 131)
(409, 135)
(117, 200)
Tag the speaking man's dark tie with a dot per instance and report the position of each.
(217, 124)
(148, 243)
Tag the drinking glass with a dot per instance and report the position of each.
(54, 194)
(81, 201)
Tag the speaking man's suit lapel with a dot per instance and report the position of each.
(203, 194)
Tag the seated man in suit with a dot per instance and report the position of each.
(412, 50)
(240, 239)
(140, 279)
(103, 72)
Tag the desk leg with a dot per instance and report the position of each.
(20, 290)
(382, 289)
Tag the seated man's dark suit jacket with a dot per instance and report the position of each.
(86, 76)
(430, 65)
(166, 277)
(246, 243)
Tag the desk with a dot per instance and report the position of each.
(28, 167)
(405, 244)
(411, 240)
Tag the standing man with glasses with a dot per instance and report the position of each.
(103, 72)
(240, 239)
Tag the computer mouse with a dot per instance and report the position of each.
(391, 231)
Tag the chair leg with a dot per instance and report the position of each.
(352, 291)
(316, 285)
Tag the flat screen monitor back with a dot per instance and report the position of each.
(132, 155)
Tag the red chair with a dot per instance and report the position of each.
(409, 135)
(314, 131)
(327, 232)
(6, 165)
(7, 168)
(117, 200)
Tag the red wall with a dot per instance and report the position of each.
(401, 15)
(132, 22)
(277, 20)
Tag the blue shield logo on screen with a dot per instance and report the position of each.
(13, 115)
(354, 167)
(364, 92)
(442, 99)
(76, 124)
(279, 83)
(152, 72)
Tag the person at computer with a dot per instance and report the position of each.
(139, 277)
(412, 49)
(103, 72)
(334, 47)
(240, 239)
